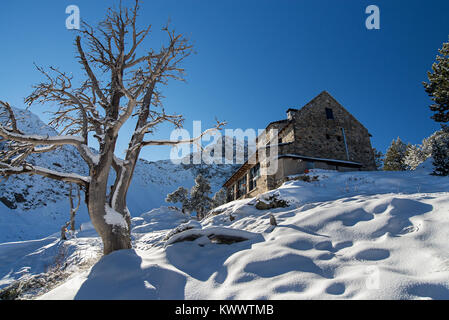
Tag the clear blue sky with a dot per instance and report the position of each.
(257, 58)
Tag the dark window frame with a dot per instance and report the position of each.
(310, 165)
(254, 174)
(241, 187)
(329, 114)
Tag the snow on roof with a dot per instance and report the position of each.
(291, 155)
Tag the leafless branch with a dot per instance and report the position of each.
(10, 116)
(7, 170)
(219, 126)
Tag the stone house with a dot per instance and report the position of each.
(322, 134)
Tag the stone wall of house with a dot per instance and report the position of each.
(262, 184)
(288, 134)
(317, 136)
(260, 188)
(270, 131)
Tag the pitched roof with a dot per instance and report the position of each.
(332, 161)
(276, 122)
(327, 94)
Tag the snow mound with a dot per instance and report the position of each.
(192, 224)
(162, 218)
(212, 233)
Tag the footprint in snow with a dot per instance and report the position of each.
(336, 288)
(373, 254)
(326, 256)
(328, 246)
(325, 246)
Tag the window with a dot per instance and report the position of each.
(280, 140)
(310, 165)
(328, 136)
(241, 187)
(254, 174)
(329, 114)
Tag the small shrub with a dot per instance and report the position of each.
(305, 178)
(271, 202)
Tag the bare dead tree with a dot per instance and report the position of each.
(120, 84)
(64, 230)
(73, 208)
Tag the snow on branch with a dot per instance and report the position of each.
(7, 170)
(218, 127)
(114, 218)
(19, 145)
(36, 140)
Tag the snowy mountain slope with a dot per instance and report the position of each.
(152, 181)
(33, 207)
(358, 235)
(30, 192)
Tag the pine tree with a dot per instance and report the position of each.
(414, 156)
(180, 195)
(219, 198)
(440, 153)
(378, 158)
(426, 145)
(199, 200)
(199, 197)
(438, 86)
(394, 158)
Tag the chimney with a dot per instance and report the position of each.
(291, 113)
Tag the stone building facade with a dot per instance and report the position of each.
(322, 134)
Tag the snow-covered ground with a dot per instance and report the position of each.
(355, 235)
